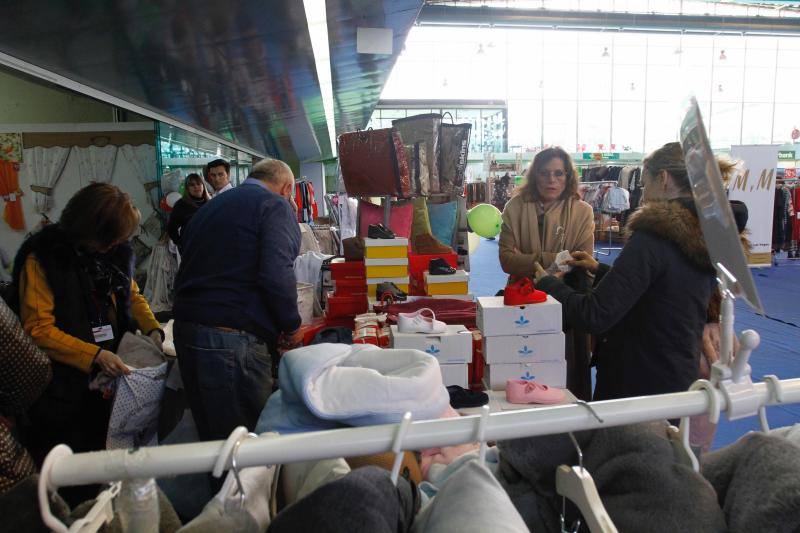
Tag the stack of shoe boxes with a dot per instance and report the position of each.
(522, 342)
(386, 260)
(350, 289)
(453, 350)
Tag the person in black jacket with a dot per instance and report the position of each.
(194, 197)
(648, 312)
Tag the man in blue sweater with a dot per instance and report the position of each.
(236, 297)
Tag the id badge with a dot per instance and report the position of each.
(103, 333)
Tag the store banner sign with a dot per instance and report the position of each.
(786, 155)
(599, 156)
(755, 186)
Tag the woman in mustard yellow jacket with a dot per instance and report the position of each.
(76, 299)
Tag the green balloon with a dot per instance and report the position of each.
(485, 220)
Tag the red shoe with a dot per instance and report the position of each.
(523, 292)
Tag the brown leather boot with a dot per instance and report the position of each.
(427, 244)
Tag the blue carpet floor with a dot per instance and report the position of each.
(778, 353)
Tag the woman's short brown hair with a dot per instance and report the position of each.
(529, 190)
(100, 215)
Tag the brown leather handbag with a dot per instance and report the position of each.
(373, 163)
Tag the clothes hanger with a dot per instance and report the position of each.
(484, 419)
(577, 484)
(397, 446)
(679, 437)
(101, 513)
(229, 454)
(775, 395)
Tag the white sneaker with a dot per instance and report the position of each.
(422, 321)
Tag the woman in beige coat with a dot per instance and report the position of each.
(544, 217)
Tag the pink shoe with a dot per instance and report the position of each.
(524, 391)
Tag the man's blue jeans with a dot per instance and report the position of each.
(227, 376)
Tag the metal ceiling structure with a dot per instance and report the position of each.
(243, 71)
(509, 17)
(358, 79)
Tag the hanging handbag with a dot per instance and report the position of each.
(453, 152)
(423, 129)
(418, 168)
(373, 163)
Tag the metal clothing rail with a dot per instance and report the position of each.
(107, 466)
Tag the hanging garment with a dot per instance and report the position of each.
(423, 129)
(227, 512)
(325, 386)
(796, 218)
(756, 480)
(159, 289)
(298, 480)
(617, 200)
(781, 220)
(637, 474)
(363, 500)
(12, 195)
(308, 241)
(306, 203)
(327, 239)
(373, 163)
(470, 499)
(137, 401)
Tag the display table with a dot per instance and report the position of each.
(497, 403)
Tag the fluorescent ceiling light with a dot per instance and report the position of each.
(317, 18)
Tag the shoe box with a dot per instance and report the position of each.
(386, 248)
(341, 269)
(551, 373)
(387, 268)
(418, 264)
(350, 287)
(447, 284)
(496, 319)
(524, 348)
(454, 346)
(402, 283)
(455, 374)
(345, 306)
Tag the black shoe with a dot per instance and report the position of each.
(440, 267)
(389, 292)
(379, 231)
(462, 398)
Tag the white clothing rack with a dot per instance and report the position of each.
(108, 466)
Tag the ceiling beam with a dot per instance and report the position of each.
(500, 17)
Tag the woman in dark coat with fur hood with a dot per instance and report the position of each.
(649, 311)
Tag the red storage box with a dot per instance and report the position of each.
(418, 264)
(346, 306)
(341, 269)
(350, 287)
(476, 368)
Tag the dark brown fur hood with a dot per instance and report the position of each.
(676, 221)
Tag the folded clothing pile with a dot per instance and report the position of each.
(326, 386)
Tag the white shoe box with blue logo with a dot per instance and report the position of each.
(551, 373)
(457, 374)
(496, 319)
(454, 346)
(524, 348)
